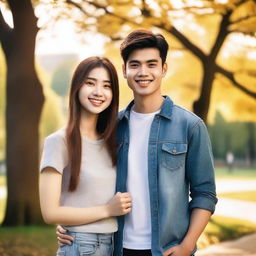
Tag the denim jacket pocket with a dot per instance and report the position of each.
(173, 155)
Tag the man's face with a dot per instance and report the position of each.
(144, 72)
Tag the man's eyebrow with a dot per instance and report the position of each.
(152, 60)
(94, 79)
(148, 61)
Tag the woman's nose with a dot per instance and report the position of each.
(97, 90)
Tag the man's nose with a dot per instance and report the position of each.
(143, 71)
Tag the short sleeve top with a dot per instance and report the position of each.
(97, 177)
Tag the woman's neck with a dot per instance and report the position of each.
(88, 125)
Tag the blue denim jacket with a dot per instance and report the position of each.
(180, 173)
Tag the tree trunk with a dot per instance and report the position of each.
(202, 105)
(251, 143)
(24, 104)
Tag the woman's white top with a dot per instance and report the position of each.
(97, 178)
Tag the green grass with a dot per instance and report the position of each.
(237, 173)
(223, 228)
(241, 195)
(41, 240)
(28, 241)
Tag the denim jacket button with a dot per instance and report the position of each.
(174, 151)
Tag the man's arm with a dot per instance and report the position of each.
(200, 174)
(198, 222)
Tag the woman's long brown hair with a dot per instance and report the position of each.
(106, 123)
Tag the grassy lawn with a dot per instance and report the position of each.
(237, 173)
(41, 241)
(28, 241)
(242, 195)
(223, 228)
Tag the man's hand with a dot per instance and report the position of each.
(62, 237)
(178, 250)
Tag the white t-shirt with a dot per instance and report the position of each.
(97, 178)
(137, 228)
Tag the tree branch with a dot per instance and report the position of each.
(230, 76)
(221, 36)
(243, 19)
(185, 41)
(79, 7)
(22, 23)
(124, 19)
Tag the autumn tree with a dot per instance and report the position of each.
(24, 101)
(234, 17)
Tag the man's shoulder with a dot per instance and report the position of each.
(185, 114)
(121, 114)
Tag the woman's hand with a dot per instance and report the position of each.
(120, 204)
(62, 237)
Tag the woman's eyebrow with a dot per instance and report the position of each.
(94, 79)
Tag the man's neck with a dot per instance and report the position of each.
(147, 104)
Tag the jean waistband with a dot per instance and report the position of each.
(91, 236)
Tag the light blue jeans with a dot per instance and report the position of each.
(88, 244)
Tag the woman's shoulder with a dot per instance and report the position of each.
(59, 135)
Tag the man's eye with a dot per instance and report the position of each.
(134, 65)
(152, 65)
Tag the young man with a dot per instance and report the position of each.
(164, 157)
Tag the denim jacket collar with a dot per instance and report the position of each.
(166, 109)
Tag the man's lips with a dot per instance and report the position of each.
(143, 83)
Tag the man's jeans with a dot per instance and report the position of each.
(88, 244)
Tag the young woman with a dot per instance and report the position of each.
(77, 171)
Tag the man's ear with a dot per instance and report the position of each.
(165, 68)
(124, 71)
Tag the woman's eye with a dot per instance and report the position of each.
(89, 83)
(107, 85)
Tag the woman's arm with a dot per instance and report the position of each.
(50, 191)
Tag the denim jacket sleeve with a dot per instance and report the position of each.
(200, 169)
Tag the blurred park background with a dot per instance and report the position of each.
(212, 72)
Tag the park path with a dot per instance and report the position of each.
(245, 246)
(236, 208)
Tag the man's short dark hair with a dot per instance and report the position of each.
(140, 39)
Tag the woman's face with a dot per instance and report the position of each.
(95, 95)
